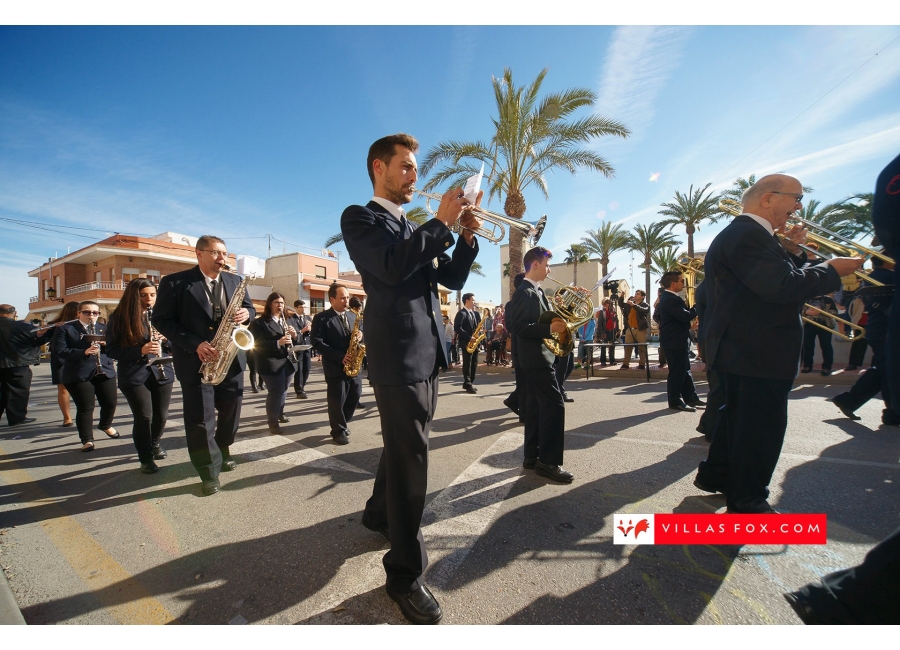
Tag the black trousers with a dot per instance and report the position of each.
(858, 351)
(304, 360)
(255, 377)
(401, 483)
(343, 395)
(211, 416)
(563, 367)
(810, 334)
(149, 404)
(276, 395)
(874, 380)
(609, 336)
(545, 416)
(469, 365)
(83, 394)
(715, 399)
(680, 381)
(747, 440)
(15, 386)
(518, 397)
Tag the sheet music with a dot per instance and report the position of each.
(473, 185)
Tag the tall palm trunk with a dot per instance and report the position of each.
(690, 237)
(647, 262)
(514, 207)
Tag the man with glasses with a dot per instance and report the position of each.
(189, 309)
(750, 272)
(18, 351)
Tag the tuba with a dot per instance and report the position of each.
(356, 349)
(573, 305)
(690, 268)
(229, 338)
(479, 333)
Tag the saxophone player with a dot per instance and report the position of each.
(465, 325)
(273, 339)
(190, 307)
(330, 335)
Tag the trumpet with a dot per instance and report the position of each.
(532, 231)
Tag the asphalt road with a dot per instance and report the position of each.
(88, 539)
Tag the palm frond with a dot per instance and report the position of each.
(334, 239)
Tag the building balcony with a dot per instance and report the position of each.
(94, 286)
(103, 292)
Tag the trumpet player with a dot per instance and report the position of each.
(276, 363)
(331, 331)
(465, 325)
(131, 341)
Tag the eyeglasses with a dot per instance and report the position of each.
(214, 253)
(797, 197)
(90, 313)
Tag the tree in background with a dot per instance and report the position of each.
(690, 210)
(664, 259)
(646, 240)
(576, 254)
(604, 241)
(531, 136)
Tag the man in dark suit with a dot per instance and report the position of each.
(330, 335)
(465, 324)
(19, 345)
(401, 267)
(189, 309)
(302, 324)
(674, 324)
(750, 273)
(545, 411)
(516, 400)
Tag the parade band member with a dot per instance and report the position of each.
(271, 347)
(330, 335)
(748, 273)
(401, 266)
(147, 387)
(465, 324)
(19, 345)
(69, 312)
(302, 324)
(84, 377)
(545, 411)
(516, 400)
(674, 324)
(188, 312)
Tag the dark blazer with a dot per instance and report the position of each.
(465, 324)
(132, 365)
(331, 339)
(522, 313)
(19, 343)
(70, 344)
(298, 323)
(701, 302)
(641, 309)
(184, 316)
(674, 321)
(400, 271)
(756, 290)
(270, 357)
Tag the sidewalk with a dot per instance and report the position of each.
(9, 609)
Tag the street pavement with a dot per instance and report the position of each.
(88, 539)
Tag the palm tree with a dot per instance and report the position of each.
(477, 269)
(648, 239)
(690, 210)
(857, 213)
(664, 259)
(417, 215)
(531, 137)
(605, 241)
(576, 254)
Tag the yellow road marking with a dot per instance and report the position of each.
(118, 591)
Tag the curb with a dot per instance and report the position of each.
(9, 608)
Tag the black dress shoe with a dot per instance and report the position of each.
(382, 529)
(228, 464)
(158, 452)
(700, 484)
(302, 395)
(469, 388)
(697, 403)
(254, 388)
(419, 607)
(275, 428)
(566, 398)
(25, 421)
(149, 467)
(683, 407)
(826, 373)
(805, 369)
(284, 420)
(889, 418)
(553, 472)
(341, 440)
(847, 411)
(848, 368)
(508, 403)
(210, 487)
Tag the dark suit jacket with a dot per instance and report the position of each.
(701, 302)
(298, 323)
(331, 340)
(756, 290)
(132, 365)
(465, 325)
(184, 316)
(674, 321)
(522, 313)
(69, 343)
(19, 343)
(400, 273)
(270, 357)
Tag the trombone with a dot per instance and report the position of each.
(499, 223)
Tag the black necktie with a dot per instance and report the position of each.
(344, 323)
(91, 329)
(216, 299)
(403, 223)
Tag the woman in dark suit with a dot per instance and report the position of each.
(87, 373)
(146, 386)
(69, 312)
(272, 340)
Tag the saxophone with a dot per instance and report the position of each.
(356, 350)
(229, 338)
(479, 333)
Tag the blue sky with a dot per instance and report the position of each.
(249, 131)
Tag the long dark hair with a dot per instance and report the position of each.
(267, 312)
(129, 313)
(69, 312)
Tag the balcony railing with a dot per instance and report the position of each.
(93, 286)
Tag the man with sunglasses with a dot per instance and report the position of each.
(18, 351)
(189, 309)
